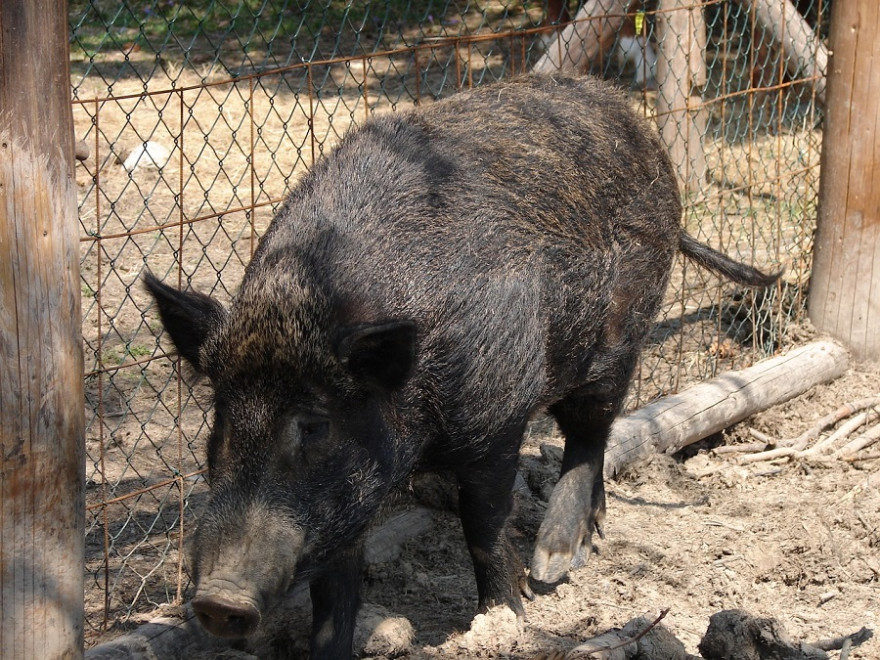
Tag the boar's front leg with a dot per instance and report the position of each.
(335, 601)
(484, 502)
(577, 505)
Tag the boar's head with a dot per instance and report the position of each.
(301, 451)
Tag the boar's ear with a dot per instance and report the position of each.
(381, 354)
(187, 316)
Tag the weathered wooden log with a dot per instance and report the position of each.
(802, 50)
(166, 637)
(587, 38)
(676, 421)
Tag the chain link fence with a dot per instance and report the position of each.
(198, 118)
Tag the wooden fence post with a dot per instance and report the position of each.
(41, 354)
(681, 73)
(845, 286)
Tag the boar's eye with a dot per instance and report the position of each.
(311, 430)
(305, 430)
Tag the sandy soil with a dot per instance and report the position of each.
(696, 532)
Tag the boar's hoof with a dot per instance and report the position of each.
(551, 566)
(224, 617)
(549, 569)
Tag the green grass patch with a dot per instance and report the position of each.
(104, 27)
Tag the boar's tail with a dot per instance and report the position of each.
(722, 264)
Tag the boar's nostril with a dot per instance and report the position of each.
(224, 617)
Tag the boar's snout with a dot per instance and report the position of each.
(244, 559)
(225, 616)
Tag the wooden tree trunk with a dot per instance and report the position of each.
(41, 359)
(586, 39)
(845, 287)
(681, 73)
(803, 52)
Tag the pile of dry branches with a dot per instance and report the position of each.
(857, 430)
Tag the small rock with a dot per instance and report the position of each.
(551, 454)
(520, 486)
(148, 154)
(380, 632)
(497, 628)
(81, 150)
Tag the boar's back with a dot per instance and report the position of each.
(527, 228)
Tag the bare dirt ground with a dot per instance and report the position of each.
(696, 532)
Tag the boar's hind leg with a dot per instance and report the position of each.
(577, 505)
(484, 502)
(335, 601)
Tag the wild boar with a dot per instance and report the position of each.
(442, 276)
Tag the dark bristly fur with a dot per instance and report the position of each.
(438, 279)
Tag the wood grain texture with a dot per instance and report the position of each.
(845, 286)
(41, 361)
(681, 73)
(803, 53)
(676, 421)
(587, 38)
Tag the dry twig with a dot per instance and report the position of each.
(873, 456)
(585, 651)
(762, 437)
(797, 447)
(843, 432)
(830, 420)
(772, 454)
(838, 643)
(741, 449)
(865, 440)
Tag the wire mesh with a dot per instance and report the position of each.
(201, 116)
